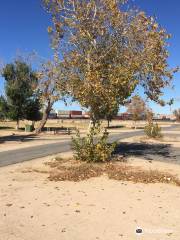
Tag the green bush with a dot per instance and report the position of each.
(153, 130)
(93, 147)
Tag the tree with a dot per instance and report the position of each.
(137, 108)
(106, 111)
(109, 112)
(3, 108)
(149, 115)
(20, 81)
(107, 51)
(177, 114)
(49, 81)
(33, 112)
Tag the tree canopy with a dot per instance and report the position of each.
(3, 108)
(51, 87)
(20, 82)
(107, 51)
(137, 108)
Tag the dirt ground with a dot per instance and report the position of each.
(79, 123)
(32, 207)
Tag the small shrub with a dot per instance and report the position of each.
(94, 147)
(153, 130)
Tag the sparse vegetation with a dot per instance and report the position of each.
(117, 171)
(137, 108)
(76, 173)
(94, 147)
(177, 114)
(153, 130)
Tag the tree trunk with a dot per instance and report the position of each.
(135, 126)
(89, 126)
(33, 124)
(45, 117)
(93, 120)
(17, 124)
(108, 123)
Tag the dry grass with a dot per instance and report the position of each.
(75, 171)
(78, 123)
(137, 175)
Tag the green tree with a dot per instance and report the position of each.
(3, 108)
(32, 112)
(20, 82)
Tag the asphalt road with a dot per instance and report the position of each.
(29, 153)
(26, 154)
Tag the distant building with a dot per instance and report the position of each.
(76, 114)
(165, 117)
(61, 114)
(123, 116)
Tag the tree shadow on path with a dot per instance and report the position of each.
(145, 150)
(18, 138)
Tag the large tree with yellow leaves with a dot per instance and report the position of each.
(107, 51)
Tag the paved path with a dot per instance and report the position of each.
(29, 153)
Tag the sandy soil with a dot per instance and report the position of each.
(32, 207)
(173, 140)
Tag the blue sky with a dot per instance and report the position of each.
(23, 26)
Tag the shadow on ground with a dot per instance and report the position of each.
(145, 150)
(27, 138)
(18, 138)
(114, 127)
(6, 128)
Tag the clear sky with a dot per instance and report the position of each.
(23, 27)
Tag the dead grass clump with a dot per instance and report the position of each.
(75, 173)
(136, 175)
(78, 171)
